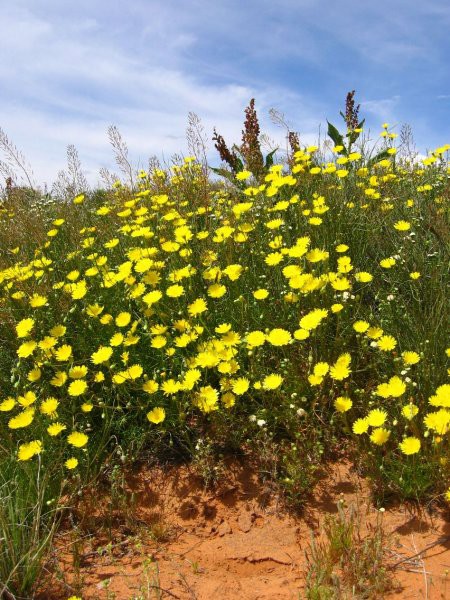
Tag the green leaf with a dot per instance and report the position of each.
(269, 158)
(335, 135)
(380, 156)
(239, 160)
(224, 173)
(354, 135)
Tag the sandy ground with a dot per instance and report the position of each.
(182, 541)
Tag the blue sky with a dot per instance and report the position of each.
(70, 69)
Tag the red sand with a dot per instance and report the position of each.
(235, 541)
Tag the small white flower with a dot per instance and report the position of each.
(260, 422)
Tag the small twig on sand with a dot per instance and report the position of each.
(438, 542)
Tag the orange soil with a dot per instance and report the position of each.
(236, 541)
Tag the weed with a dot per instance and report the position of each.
(345, 564)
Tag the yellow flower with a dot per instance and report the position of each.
(26, 349)
(228, 399)
(27, 399)
(197, 307)
(157, 415)
(315, 379)
(410, 445)
(360, 426)
(94, 310)
(77, 387)
(152, 297)
(272, 382)
(72, 463)
(216, 290)
(24, 327)
(78, 290)
(116, 339)
(313, 319)
(343, 404)
(255, 338)
(175, 291)
(387, 263)
(135, 371)
(63, 353)
(240, 386)
(59, 379)
(7, 405)
(37, 301)
(233, 272)
(363, 277)
(410, 411)
(376, 417)
(301, 334)
(55, 429)
(206, 399)
(395, 388)
(441, 397)
(22, 420)
(27, 451)
(340, 284)
(58, 331)
(150, 386)
(123, 319)
(438, 421)
(170, 387)
(361, 326)
(321, 369)
(379, 436)
(34, 375)
(103, 354)
(410, 358)
(77, 439)
(223, 328)
(317, 255)
(78, 372)
(335, 308)
(341, 368)
(374, 333)
(344, 264)
(47, 343)
(273, 259)
(260, 294)
(159, 341)
(402, 226)
(386, 343)
(48, 407)
(414, 275)
(279, 337)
